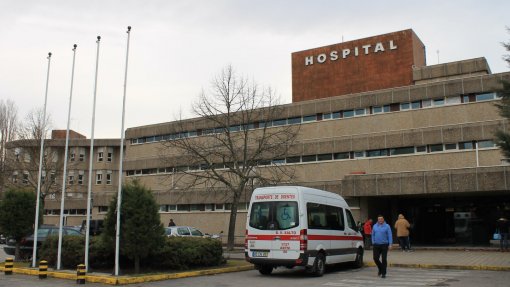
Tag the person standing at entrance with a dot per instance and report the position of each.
(503, 226)
(367, 232)
(402, 226)
(382, 239)
(171, 223)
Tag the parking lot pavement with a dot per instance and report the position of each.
(26, 280)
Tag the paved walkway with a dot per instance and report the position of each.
(425, 257)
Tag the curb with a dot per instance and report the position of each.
(443, 266)
(122, 280)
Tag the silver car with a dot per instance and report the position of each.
(186, 231)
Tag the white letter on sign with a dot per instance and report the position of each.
(365, 47)
(345, 53)
(378, 47)
(333, 55)
(309, 60)
(392, 46)
(321, 58)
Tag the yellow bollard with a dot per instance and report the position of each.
(43, 269)
(80, 274)
(8, 265)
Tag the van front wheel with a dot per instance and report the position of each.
(358, 262)
(265, 270)
(319, 265)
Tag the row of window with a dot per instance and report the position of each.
(202, 207)
(467, 145)
(66, 211)
(71, 177)
(419, 104)
(101, 154)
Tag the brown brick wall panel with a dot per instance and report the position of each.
(412, 138)
(360, 144)
(374, 71)
(418, 92)
(435, 91)
(491, 83)
(472, 85)
(323, 106)
(463, 180)
(368, 100)
(432, 136)
(401, 95)
(343, 145)
(411, 183)
(353, 102)
(385, 97)
(437, 181)
(325, 147)
(338, 104)
(394, 140)
(489, 179)
(453, 88)
(452, 134)
(376, 141)
(472, 132)
(364, 186)
(389, 184)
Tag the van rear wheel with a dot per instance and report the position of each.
(319, 265)
(265, 270)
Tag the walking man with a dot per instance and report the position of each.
(402, 226)
(382, 240)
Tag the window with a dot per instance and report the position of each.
(337, 115)
(359, 112)
(420, 149)
(72, 155)
(327, 116)
(279, 122)
(358, 154)
(485, 97)
(293, 121)
(485, 144)
(53, 177)
(405, 106)
(309, 118)
(341, 155)
(109, 155)
(402, 150)
(465, 145)
(416, 105)
(80, 178)
(273, 215)
(439, 102)
(109, 177)
(15, 177)
(278, 161)
(379, 152)
(82, 154)
(450, 146)
(99, 177)
(380, 109)
(309, 158)
(183, 231)
(25, 177)
(350, 220)
(71, 178)
(436, 147)
(454, 100)
(348, 113)
(100, 154)
(26, 157)
(326, 156)
(102, 209)
(426, 103)
(195, 232)
(294, 159)
(163, 208)
(321, 216)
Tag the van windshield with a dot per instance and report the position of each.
(274, 215)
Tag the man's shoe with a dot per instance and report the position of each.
(383, 276)
(379, 273)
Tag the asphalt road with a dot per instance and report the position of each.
(337, 276)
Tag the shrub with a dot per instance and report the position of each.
(72, 251)
(182, 253)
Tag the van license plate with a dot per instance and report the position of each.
(259, 253)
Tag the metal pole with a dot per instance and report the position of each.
(91, 157)
(37, 203)
(119, 196)
(64, 178)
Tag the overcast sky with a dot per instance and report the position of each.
(177, 47)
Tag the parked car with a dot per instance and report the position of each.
(187, 231)
(3, 240)
(96, 226)
(27, 243)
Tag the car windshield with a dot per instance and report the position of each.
(274, 215)
(196, 232)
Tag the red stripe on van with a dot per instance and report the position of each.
(333, 237)
(273, 237)
(296, 237)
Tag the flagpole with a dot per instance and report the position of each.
(119, 195)
(64, 178)
(37, 203)
(91, 153)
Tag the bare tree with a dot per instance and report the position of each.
(237, 146)
(8, 126)
(23, 155)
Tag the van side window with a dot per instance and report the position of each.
(274, 215)
(350, 220)
(321, 216)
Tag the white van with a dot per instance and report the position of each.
(299, 226)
